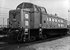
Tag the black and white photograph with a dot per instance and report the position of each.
(34, 24)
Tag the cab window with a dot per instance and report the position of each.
(49, 19)
(61, 21)
(53, 19)
(43, 10)
(35, 9)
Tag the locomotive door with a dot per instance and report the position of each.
(36, 17)
(44, 17)
(38, 21)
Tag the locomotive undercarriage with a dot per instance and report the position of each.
(18, 34)
(55, 32)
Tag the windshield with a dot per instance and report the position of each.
(27, 5)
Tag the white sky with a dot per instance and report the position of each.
(52, 6)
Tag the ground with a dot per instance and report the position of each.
(59, 44)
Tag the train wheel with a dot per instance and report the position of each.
(19, 38)
(41, 37)
(24, 39)
(45, 37)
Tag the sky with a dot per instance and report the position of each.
(60, 7)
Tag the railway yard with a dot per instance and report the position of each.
(55, 43)
(30, 27)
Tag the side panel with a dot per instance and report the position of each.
(36, 19)
(47, 22)
(31, 20)
(44, 24)
(65, 23)
(54, 22)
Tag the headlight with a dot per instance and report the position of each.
(26, 23)
(17, 30)
(26, 30)
(26, 16)
(3, 35)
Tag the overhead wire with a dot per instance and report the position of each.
(4, 11)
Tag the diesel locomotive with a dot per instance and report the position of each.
(29, 22)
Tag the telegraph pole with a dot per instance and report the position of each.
(68, 16)
(3, 22)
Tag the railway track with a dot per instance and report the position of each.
(18, 45)
(45, 40)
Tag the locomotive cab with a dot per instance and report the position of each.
(28, 18)
(19, 22)
(26, 6)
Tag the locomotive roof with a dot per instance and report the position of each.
(50, 15)
(28, 3)
(21, 4)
